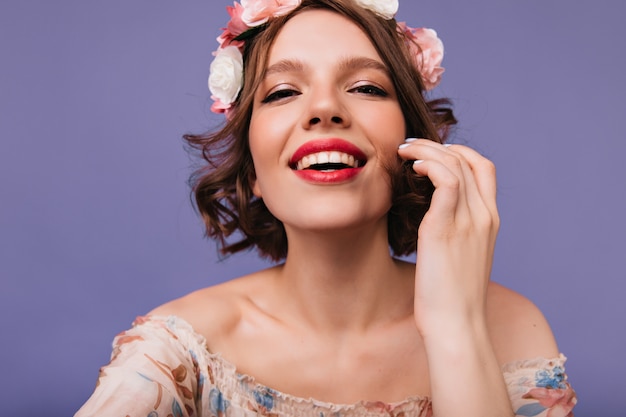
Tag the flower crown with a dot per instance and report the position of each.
(247, 17)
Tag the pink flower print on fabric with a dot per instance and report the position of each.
(557, 402)
(553, 394)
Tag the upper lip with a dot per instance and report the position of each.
(329, 150)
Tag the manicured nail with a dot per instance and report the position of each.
(447, 145)
(404, 145)
(418, 161)
(410, 139)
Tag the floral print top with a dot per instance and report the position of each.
(162, 368)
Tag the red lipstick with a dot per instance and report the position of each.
(326, 145)
(331, 175)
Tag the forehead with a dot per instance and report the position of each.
(321, 36)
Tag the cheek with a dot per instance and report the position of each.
(266, 142)
(387, 129)
(395, 123)
(268, 131)
(387, 118)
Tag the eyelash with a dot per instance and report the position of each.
(280, 94)
(369, 90)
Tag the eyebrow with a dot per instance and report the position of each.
(285, 65)
(346, 64)
(360, 62)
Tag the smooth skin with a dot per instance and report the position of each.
(341, 320)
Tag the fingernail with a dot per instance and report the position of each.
(418, 161)
(447, 145)
(410, 139)
(404, 145)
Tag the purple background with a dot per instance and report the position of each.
(96, 226)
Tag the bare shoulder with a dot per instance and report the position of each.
(517, 327)
(209, 310)
(214, 312)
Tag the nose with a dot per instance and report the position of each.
(326, 110)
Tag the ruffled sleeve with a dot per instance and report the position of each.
(153, 372)
(539, 388)
(161, 368)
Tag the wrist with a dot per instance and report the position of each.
(450, 333)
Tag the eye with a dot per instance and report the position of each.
(370, 90)
(280, 94)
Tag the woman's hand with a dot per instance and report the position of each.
(456, 238)
(455, 246)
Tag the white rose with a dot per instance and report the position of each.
(257, 12)
(386, 9)
(226, 74)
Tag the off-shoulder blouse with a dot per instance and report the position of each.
(161, 367)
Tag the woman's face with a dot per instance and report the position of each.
(325, 123)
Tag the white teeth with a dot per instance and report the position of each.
(333, 157)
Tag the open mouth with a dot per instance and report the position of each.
(328, 162)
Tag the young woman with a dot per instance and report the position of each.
(314, 169)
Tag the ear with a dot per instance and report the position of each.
(254, 184)
(256, 190)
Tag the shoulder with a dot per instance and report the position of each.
(517, 327)
(215, 312)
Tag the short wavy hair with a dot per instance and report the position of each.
(222, 186)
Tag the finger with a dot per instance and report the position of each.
(475, 200)
(411, 145)
(484, 174)
(442, 168)
(445, 199)
(424, 149)
(469, 195)
(482, 170)
(427, 150)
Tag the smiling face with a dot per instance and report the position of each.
(325, 123)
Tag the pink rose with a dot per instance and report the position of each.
(427, 49)
(235, 27)
(559, 402)
(257, 12)
(219, 107)
(228, 39)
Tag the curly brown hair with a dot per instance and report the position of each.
(223, 186)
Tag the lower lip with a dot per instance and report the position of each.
(330, 177)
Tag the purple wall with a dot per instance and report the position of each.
(95, 221)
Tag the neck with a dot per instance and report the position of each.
(345, 281)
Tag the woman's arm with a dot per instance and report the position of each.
(456, 241)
